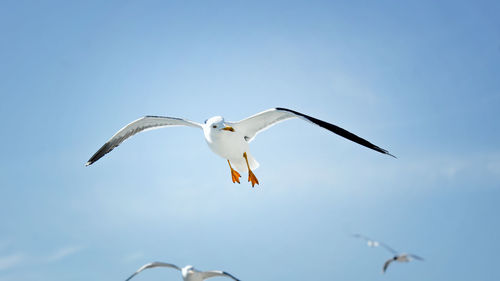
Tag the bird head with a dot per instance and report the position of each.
(188, 269)
(217, 123)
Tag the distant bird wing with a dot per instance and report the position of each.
(152, 265)
(259, 122)
(361, 236)
(386, 264)
(214, 273)
(416, 257)
(385, 246)
(142, 124)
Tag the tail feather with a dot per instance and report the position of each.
(240, 164)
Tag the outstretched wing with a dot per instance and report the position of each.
(139, 125)
(151, 265)
(416, 257)
(214, 273)
(386, 265)
(385, 246)
(259, 122)
(252, 125)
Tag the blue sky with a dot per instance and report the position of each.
(418, 78)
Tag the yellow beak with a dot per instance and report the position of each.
(228, 128)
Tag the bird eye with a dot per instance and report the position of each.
(214, 126)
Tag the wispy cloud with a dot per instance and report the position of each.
(63, 253)
(13, 260)
(7, 262)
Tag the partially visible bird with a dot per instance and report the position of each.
(399, 257)
(403, 257)
(189, 273)
(230, 140)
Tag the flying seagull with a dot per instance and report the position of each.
(228, 139)
(399, 257)
(403, 257)
(189, 273)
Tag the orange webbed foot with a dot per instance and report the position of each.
(235, 176)
(252, 178)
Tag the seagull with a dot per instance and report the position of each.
(189, 273)
(403, 257)
(399, 257)
(230, 140)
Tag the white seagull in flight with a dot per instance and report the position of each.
(228, 139)
(399, 257)
(189, 273)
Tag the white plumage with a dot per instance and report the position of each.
(230, 140)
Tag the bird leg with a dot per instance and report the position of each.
(235, 176)
(251, 177)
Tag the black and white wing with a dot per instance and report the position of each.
(152, 265)
(143, 124)
(214, 273)
(259, 122)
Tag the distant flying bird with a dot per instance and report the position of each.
(403, 257)
(399, 257)
(228, 139)
(189, 273)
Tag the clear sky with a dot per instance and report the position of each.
(419, 78)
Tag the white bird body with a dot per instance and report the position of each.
(229, 145)
(191, 274)
(403, 257)
(230, 140)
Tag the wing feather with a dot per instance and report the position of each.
(140, 125)
(213, 273)
(259, 122)
(388, 248)
(386, 264)
(416, 257)
(152, 265)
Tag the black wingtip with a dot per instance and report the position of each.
(230, 275)
(106, 148)
(381, 150)
(339, 131)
